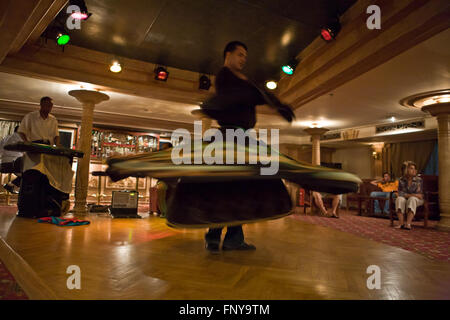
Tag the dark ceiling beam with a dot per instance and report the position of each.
(24, 20)
(356, 50)
(43, 21)
(76, 64)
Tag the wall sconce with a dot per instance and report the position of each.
(376, 155)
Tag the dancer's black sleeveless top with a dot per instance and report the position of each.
(235, 101)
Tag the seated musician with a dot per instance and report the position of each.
(387, 186)
(40, 126)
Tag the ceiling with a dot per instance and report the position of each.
(191, 35)
(31, 90)
(374, 96)
(367, 100)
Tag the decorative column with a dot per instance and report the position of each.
(442, 112)
(88, 99)
(315, 140)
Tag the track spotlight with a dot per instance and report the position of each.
(161, 74)
(83, 14)
(204, 83)
(330, 31)
(272, 85)
(289, 68)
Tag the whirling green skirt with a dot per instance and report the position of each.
(206, 193)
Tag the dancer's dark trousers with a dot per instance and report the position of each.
(233, 237)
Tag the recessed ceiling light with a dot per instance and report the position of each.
(427, 98)
(437, 99)
(272, 85)
(315, 125)
(115, 67)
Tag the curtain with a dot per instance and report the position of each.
(432, 166)
(394, 154)
(7, 127)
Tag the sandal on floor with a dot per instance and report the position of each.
(407, 228)
(399, 227)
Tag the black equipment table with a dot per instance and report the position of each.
(37, 197)
(44, 148)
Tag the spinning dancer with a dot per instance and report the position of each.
(234, 107)
(218, 195)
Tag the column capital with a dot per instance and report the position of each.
(89, 96)
(437, 109)
(316, 131)
(378, 146)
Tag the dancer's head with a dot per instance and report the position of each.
(235, 55)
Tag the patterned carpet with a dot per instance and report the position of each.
(9, 288)
(428, 242)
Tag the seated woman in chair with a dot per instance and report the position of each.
(410, 196)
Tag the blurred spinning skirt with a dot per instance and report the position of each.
(221, 194)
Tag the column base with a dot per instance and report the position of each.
(444, 223)
(80, 210)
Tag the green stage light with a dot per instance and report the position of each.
(288, 70)
(289, 67)
(62, 39)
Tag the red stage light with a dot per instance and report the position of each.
(326, 35)
(161, 74)
(331, 30)
(80, 15)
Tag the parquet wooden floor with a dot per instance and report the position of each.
(145, 259)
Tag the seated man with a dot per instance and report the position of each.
(410, 196)
(387, 186)
(318, 199)
(11, 160)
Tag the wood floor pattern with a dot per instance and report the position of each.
(145, 259)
